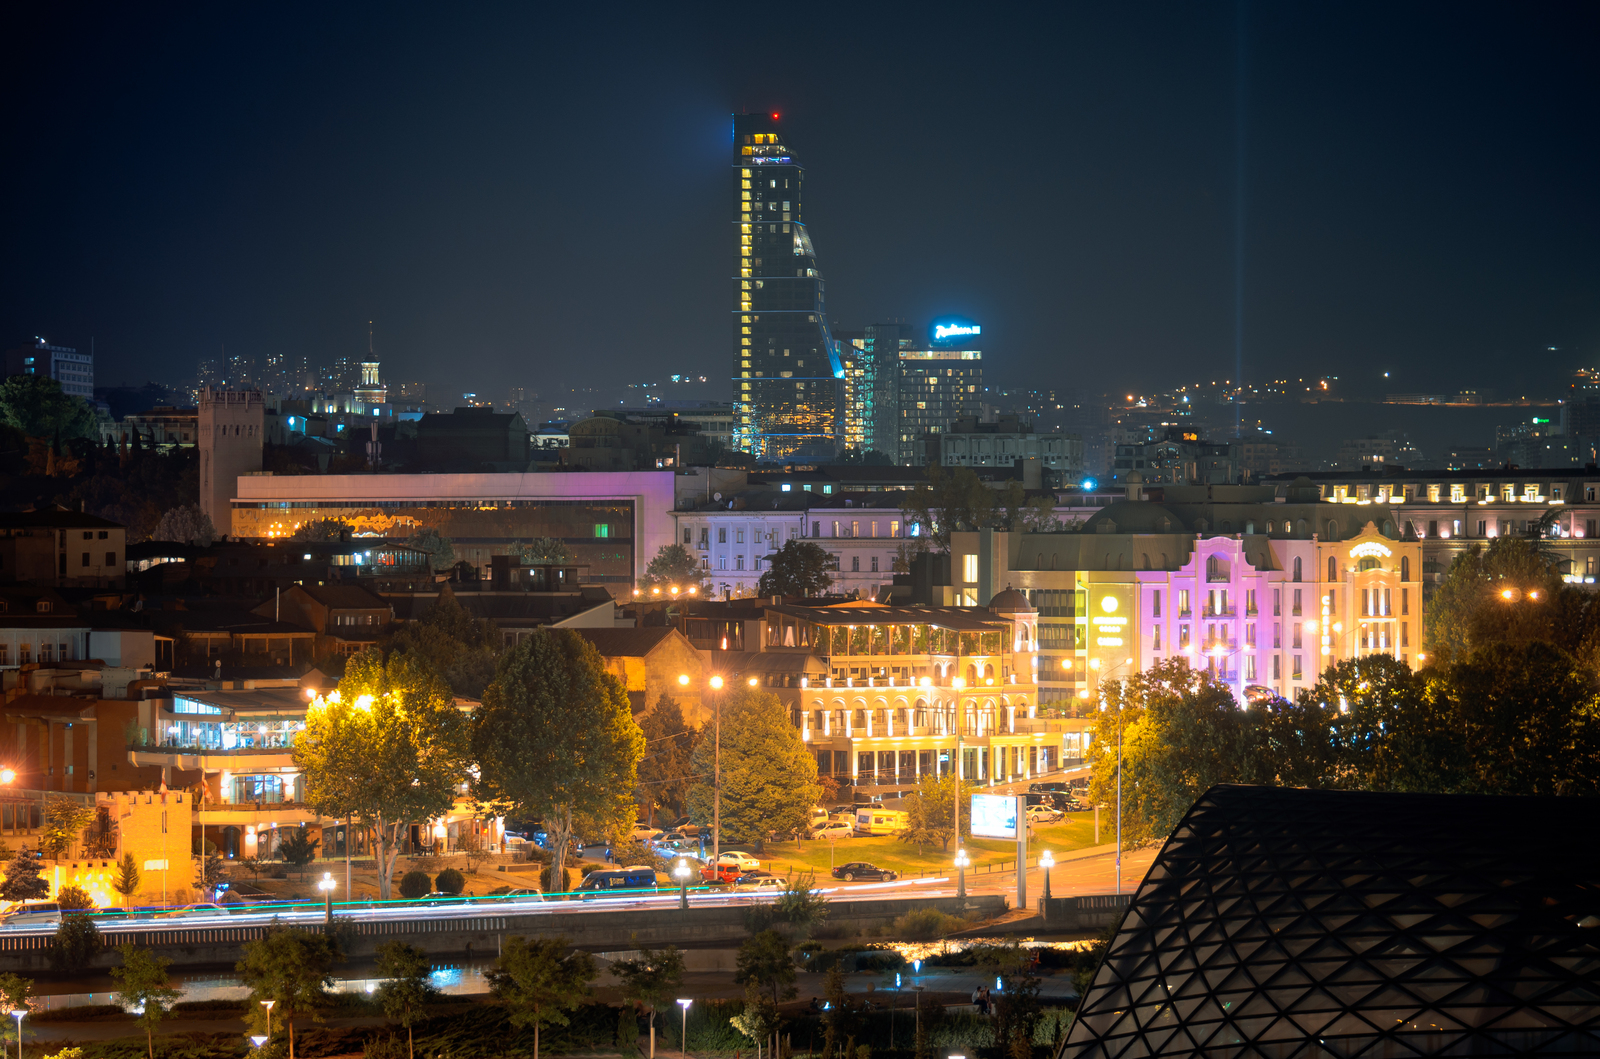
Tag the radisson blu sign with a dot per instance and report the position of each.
(952, 331)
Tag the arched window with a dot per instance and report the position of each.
(1333, 530)
(1297, 568)
(1227, 526)
(1038, 562)
(1250, 529)
(1269, 525)
(1333, 569)
(1405, 568)
(1300, 528)
(1144, 558)
(1052, 560)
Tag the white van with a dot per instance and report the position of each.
(35, 914)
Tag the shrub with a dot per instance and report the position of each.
(77, 941)
(925, 924)
(415, 884)
(450, 881)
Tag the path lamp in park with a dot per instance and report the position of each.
(683, 1038)
(962, 860)
(326, 886)
(1046, 862)
(18, 1015)
(682, 873)
(268, 1005)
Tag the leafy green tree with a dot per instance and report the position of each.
(539, 980)
(14, 993)
(951, 500)
(407, 987)
(1385, 727)
(674, 565)
(291, 967)
(76, 942)
(546, 550)
(1508, 592)
(855, 457)
(74, 898)
(186, 524)
(799, 568)
(798, 909)
(441, 549)
(126, 881)
(321, 529)
(64, 820)
(1016, 1006)
(930, 811)
(555, 737)
(299, 848)
(23, 882)
(35, 405)
(769, 778)
(650, 980)
(146, 988)
(664, 771)
(461, 647)
(387, 748)
(839, 1015)
(1528, 720)
(1181, 733)
(764, 962)
(759, 1020)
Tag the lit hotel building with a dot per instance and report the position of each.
(939, 385)
(786, 371)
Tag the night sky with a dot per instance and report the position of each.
(540, 196)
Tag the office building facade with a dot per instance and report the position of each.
(937, 387)
(73, 370)
(786, 369)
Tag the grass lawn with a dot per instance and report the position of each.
(1074, 831)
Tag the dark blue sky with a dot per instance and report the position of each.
(525, 195)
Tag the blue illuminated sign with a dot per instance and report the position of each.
(953, 329)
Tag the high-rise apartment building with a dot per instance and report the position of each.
(786, 371)
(938, 385)
(73, 370)
(871, 387)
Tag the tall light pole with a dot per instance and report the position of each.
(18, 1015)
(1046, 862)
(268, 1005)
(683, 1034)
(326, 886)
(962, 860)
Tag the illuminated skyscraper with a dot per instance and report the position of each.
(786, 372)
(871, 390)
(940, 384)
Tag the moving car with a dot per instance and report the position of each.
(607, 880)
(834, 829)
(199, 911)
(34, 914)
(522, 893)
(859, 869)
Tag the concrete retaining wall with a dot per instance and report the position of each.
(599, 930)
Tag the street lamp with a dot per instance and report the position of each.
(7, 775)
(962, 860)
(683, 1034)
(268, 1005)
(18, 1014)
(258, 1039)
(682, 872)
(326, 886)
(1046, 862)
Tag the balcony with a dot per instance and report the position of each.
(210, 759)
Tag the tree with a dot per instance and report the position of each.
(764, 962)
(450, 881)
(36, 405)
(211, 870)
(441, 549)
(407, 987)
(799, 568)
(146, 988)
(759, 1019)
(64, 820)
(74, 898)
(1181, 733)
(957, 500)
(186, 524)
(855, 457)
(388, 747)
(415, 884)
(321, 529)
(539, 980)
(1510, 591)
(545, 551)
(291, 967)
(461, 647)
(1016, 1008)
(930, 811)
(14, 993)
(22, 879)
(769, 778)
(798, 909)
(76, 942)
(664, 771)
(651, 979)
(555, 737)
(674, 565)
(299, 848)
(126, 881)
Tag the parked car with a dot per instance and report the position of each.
(34, 914)
(200, 911)
(818, 816)
(738, 856)
(642, 833)
(1046, 787)
(859, 869)
(1044, 814)
(758, 882)
(619, 880)
(834, 829)
(730, 866)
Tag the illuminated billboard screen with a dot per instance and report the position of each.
(994, 816)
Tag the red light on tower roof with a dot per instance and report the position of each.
(774, 116)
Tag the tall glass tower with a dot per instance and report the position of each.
(786, 371)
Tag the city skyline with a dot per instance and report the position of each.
(1414, 197)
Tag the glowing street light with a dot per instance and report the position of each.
(326, 886)
(682, 874)
(683, 1036)
(1046, 862)
(7, 775)
(258, 1039)
(268, 1005)
(18, 1015)
(962, 860)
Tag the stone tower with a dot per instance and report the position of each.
(231, 423)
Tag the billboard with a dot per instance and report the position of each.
(994, 815)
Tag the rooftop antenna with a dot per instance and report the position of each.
(369, 339)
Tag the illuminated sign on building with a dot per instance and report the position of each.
(1370, 550)
(1110, 627)
(949, 330)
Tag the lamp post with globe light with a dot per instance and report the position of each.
(682, 874)
(326, 886)
(962, 860)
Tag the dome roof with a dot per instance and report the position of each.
(1134, 516)
(1010, 601)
